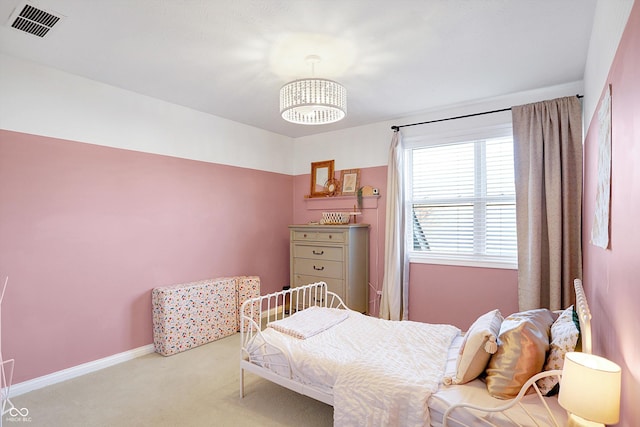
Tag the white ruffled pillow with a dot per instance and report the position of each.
(564, 338)
(476, 349)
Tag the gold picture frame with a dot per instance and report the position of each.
(320, 174)
(350, 179)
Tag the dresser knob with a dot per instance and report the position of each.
(330, 236)
(318, 253)
(318, 268)
(304, 235)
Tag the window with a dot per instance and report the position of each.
(461, 202)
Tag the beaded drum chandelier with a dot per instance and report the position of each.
(313, 101)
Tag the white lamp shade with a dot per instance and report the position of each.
(590, 387)
(313, 101)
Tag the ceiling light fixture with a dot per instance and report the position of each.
(313, 101)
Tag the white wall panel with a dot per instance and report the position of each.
(368, 146)
(44, 101)
(608, 24)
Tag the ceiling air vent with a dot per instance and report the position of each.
(34, 21)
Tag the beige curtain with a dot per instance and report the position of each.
(548, 175)
(395, 285)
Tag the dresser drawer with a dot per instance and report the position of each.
(328, 236)
(319, 268)
(319, 236)
(328, 253)
(335, 254)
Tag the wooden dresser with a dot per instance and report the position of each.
(335, 254)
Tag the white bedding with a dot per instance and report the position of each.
(391, 386)
(307, 323)
(320, 365)
(476, 392)
(379, 372)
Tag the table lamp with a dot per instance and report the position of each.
(590, 390)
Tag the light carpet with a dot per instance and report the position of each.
(199, 387)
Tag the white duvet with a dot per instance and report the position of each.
(381, 372)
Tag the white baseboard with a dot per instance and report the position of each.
(76, 371)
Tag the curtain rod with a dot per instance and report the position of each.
(397, 127)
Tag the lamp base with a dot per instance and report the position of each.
(576, 421)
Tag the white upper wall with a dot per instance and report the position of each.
(65, 106)
(608, 24)
(368, 146)
(44, 101)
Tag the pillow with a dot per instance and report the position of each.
(564, 337)
(522, 348)
(477, 347)
(576, 321)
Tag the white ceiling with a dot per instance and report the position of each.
(230, 57)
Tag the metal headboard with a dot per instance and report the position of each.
(584, 316)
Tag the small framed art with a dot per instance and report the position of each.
(350, 179)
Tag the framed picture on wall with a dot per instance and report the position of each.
(321, 172)
(350, 179)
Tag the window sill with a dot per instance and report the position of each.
(421, 259)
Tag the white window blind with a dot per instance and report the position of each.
(462, 202)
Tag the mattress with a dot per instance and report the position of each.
(355, 332)
(316, 361)
(191, 314)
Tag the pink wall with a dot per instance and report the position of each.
(87, 231)
(612, 276)
(437, 293)
(306, 210)
(459, 295)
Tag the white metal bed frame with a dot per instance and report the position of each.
(270, 307)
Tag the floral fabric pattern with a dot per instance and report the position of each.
(248, 287)
(191, 314)
(564, 337)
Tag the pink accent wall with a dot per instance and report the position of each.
(612, 276)
(437, 293)
(87, 231)
(374, 213)
(459, 295)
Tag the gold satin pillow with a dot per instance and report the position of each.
(522, 347)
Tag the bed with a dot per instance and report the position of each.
(379, 372)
